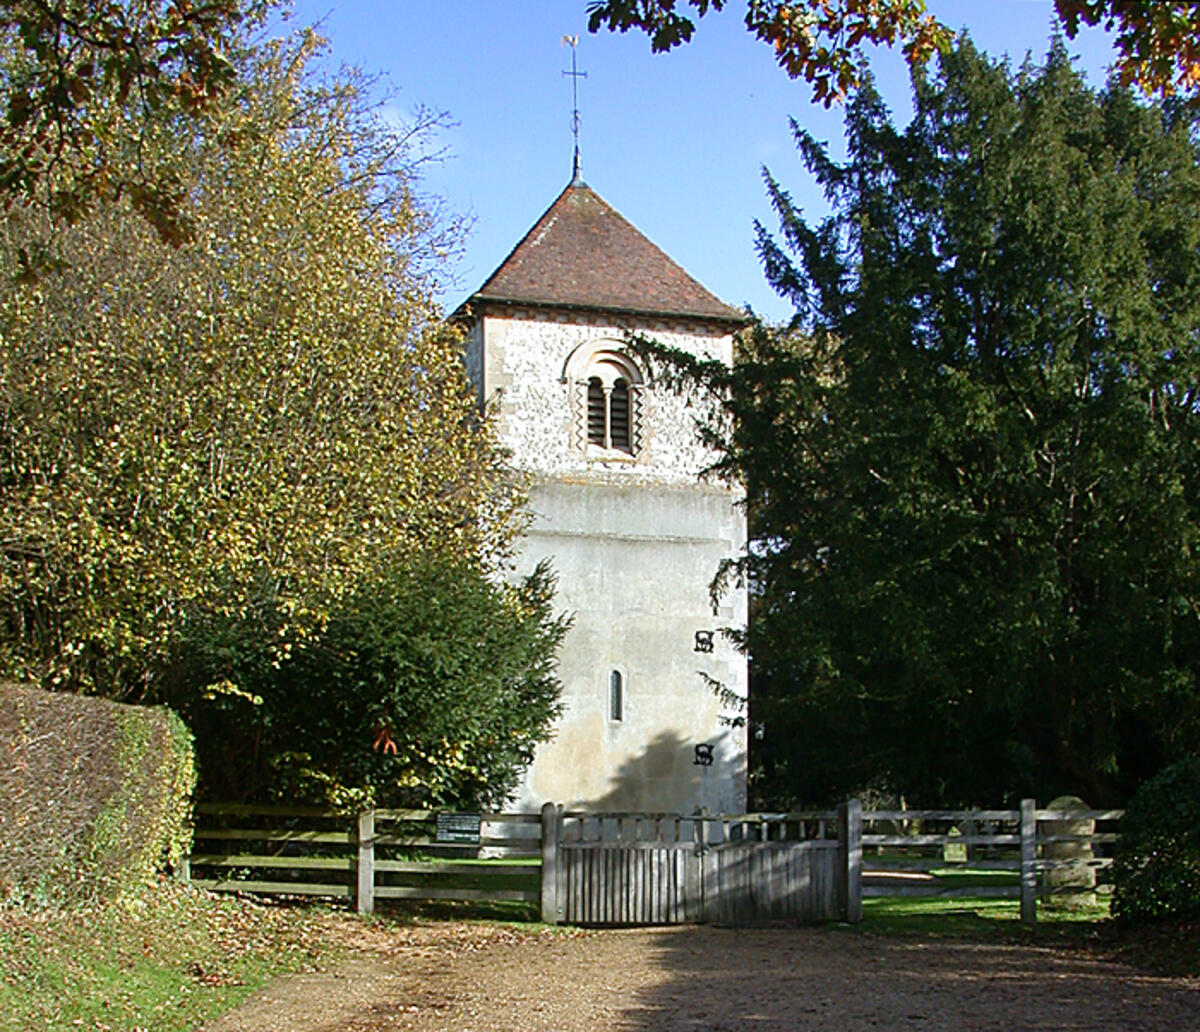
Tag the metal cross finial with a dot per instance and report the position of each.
(573, 42)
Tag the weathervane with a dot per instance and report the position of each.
(573, 42)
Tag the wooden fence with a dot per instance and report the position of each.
(1054, 855)
(380, 854)
(637, 868)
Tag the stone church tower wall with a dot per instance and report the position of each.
(617, 504)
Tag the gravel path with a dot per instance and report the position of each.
(482, 979)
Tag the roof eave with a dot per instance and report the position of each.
(479, 301)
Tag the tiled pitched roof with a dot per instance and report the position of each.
(582, 253)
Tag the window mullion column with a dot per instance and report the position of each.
(607, 417)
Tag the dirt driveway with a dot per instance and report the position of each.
(474, 978)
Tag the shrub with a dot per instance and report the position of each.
(432, 685)
(95, 797)
(1157, 868)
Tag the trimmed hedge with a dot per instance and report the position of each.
(95, 796)
(1156, 872)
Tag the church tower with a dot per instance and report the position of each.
(617, 505)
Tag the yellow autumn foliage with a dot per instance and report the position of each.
(244, 427)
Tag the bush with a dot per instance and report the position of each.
(431, 686)
(95, 797)
(1157, 868)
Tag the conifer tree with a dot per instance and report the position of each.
(973, 480)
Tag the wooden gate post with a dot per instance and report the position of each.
(550, 901)
(1028, 861)
(365, 895)
(850, 857)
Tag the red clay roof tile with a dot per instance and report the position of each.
(582, 253)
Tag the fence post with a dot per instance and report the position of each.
(365, 896)
(698, 891)
(850, 857)
(1028, 861)
(549, 864)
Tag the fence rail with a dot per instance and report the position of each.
(379, 854)
(1052, 855)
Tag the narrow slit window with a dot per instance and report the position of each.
(616, 696)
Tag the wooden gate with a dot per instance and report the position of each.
(754, 882)
(627, 869)
(640, 869)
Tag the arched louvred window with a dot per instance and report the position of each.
(608, 411)
(618, 417)
(616, 696)
(596, 412)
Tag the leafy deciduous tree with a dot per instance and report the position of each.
(814, 39)
(245, 474)
(1159, 42)
(84, 81)
(820, 41)
(238, 432)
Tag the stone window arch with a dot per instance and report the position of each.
(607, 401)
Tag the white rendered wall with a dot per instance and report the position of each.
(635, 544)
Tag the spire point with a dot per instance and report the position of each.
(573, 42)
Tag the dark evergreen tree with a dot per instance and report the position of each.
(431, 685)
(973, 479)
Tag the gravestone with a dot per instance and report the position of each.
(954, 852)
(1072, 881)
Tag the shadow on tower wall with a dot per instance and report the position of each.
(666, 778)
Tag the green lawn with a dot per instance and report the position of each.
(1170, 946)
(967, 916)
(954, 877)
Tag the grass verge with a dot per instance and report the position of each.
(166, 959)
(501, 911)
(976, 917)
(1167, 947)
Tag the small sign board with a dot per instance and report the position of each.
(462, 828)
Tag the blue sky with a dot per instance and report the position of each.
(676, 142)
